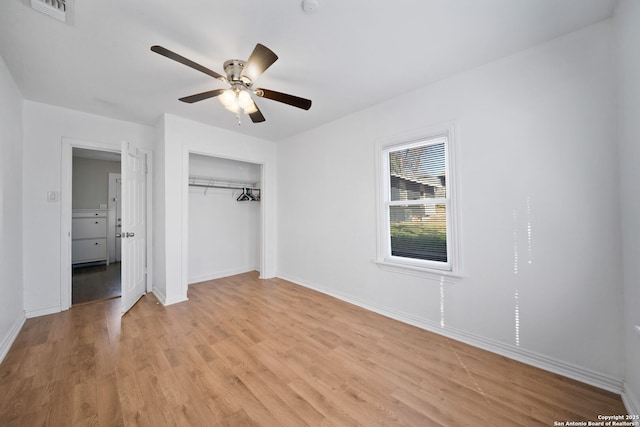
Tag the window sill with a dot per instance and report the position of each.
(412, 270)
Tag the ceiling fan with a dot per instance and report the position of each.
(240, 76)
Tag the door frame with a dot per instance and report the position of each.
(66, 189)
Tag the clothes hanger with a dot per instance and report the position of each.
(244, 196)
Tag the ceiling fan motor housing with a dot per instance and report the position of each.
(233, 69)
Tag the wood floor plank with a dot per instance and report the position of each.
(244, 351)
(85, 403)
(265, 395)
(322, 403)
(235, 390)
(135, 411)
(108, 397)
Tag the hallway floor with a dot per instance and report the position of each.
(94, 283)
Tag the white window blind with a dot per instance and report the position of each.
(417, 203)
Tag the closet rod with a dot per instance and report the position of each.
(222, 186)
(210, 182)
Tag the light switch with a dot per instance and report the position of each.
(52, 196)
(638, 329)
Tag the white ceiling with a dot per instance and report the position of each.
(349, 55)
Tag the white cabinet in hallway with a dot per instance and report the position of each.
(89, 236)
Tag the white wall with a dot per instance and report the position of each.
(627, 19)
(224, 234)
(181, 137)
(44, 128)
(91, 182)
(11, 283)
(159, 222)
(536, 140)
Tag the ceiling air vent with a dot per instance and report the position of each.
(62, 10)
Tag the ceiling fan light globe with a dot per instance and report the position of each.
(228, 98)
(234, 107)
(245, 100)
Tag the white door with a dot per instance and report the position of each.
(133, 230)
(115, 218)
(118, 226)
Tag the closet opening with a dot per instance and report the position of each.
(224, 217)
(95, 222)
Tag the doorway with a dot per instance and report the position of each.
(141, 201)
(95, 259)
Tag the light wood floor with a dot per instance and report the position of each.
(243, 351)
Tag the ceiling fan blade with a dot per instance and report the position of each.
(261, 58)
(201, 96)
(189, 63)
(295, 101)
(256, 116)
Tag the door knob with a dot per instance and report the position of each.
(127, 234)
(118, 235)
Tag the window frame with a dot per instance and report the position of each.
(450, 269)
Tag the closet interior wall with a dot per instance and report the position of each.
(224, 233)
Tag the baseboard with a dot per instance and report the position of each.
(7, 342)
(42, 312)
(160, 296)
(219, 275)
(175, 300)
(630, 400)
(528, 357)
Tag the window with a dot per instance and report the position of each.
(417, 226)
